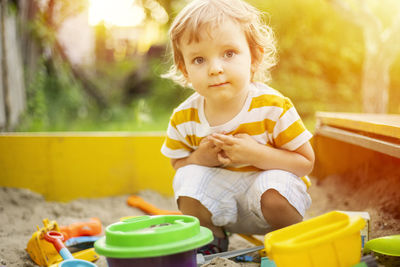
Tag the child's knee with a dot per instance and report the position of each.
(272, 202)
(187, 202)
(193, 207)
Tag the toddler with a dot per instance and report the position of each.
(240, 150)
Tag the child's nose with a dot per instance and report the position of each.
(215, 67)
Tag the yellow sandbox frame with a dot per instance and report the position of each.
(66, 166)
(344, 141)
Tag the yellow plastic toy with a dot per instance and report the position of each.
(43, 253)
(330, 240)
(255, 241)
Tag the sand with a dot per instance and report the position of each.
(22, 210)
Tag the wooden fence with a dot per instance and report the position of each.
(12, 87)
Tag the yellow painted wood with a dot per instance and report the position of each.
(345, 142)
(389, 148)
(66, 166)
(334, 157)
(381, 124)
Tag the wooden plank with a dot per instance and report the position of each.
(15, 73)
(334, 157)
(385, 147)
(66, 166)
(2, 100)
(380, 124)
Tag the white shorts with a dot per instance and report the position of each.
(233, 198)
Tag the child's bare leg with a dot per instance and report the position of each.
(193, 207)
(277, 211)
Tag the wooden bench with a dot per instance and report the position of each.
(343, 141)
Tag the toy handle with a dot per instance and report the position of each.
(90, 228)
(138, 202)
(56, 238)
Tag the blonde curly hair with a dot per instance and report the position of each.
(200, 14)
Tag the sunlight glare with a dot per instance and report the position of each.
(122, 13)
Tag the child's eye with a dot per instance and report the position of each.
(229, 54)
(198, 60)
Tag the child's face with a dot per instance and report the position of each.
(219, 65)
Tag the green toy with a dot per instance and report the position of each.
(387, 245)
(156, 241)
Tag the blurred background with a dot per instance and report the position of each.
(95, 65)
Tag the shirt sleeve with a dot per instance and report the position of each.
(289, 131)
(175, 145)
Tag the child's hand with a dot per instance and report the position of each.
(239, 149)
(207, 153)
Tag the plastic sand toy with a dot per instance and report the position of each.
(164, 240)
(330, 240)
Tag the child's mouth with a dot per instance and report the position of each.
(218, 84)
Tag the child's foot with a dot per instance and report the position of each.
(218, 245)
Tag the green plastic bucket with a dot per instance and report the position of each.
(165, 240)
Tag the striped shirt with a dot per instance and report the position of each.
(267, 116)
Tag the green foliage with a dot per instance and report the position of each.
(34, 118)
(166, 94)
(320, 68)
(320, 56)
(52, 101)
(58, 102)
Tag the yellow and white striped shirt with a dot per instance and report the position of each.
(267, 116)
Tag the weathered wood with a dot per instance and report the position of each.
(381, 124)
(2, 109)
(375, 144)
(15, 71)
(4, 103)
(30, 49)
(346, 143)
(13, 86)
